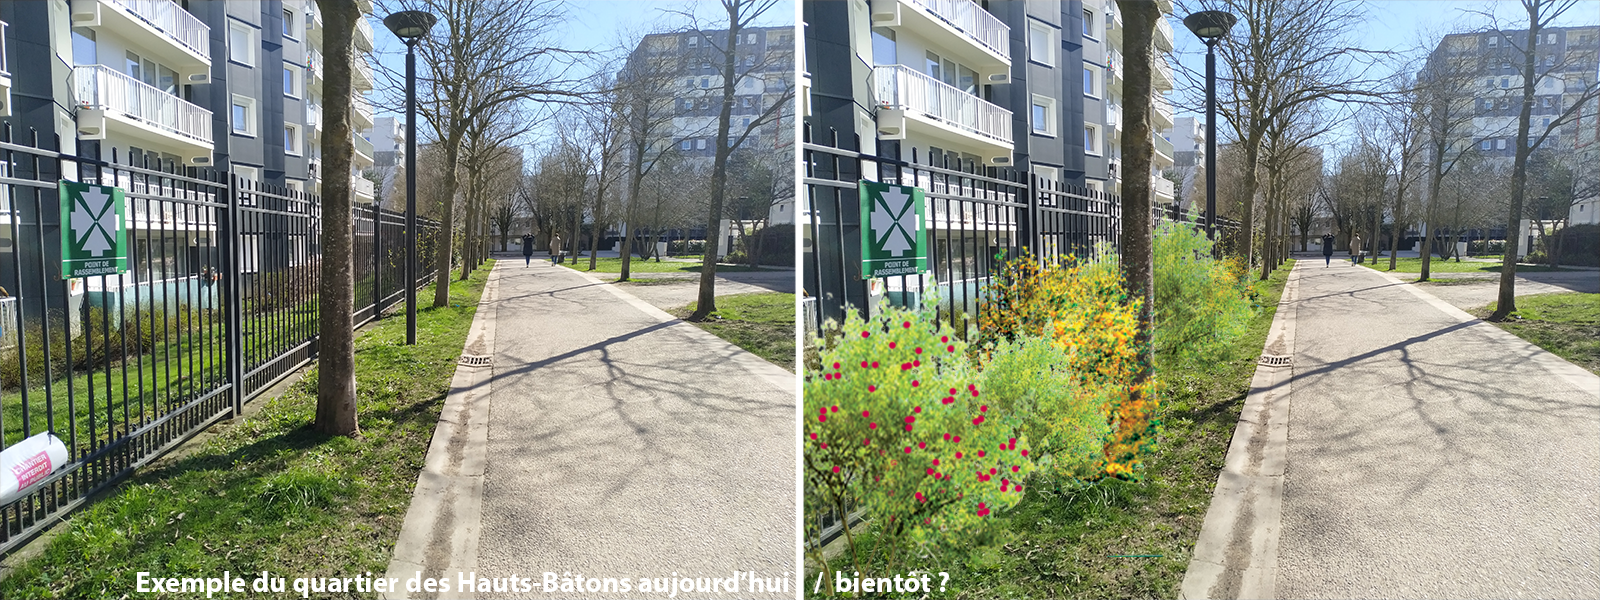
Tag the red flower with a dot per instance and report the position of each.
(907, 324)
(1024, 452)
(946, 437)
(980, 454)
(922, 445)
(949, 348)
(813, 436)
(865, 414)
(910, 419)
(944, 338)
(865, 335)
(916, 363)
(908, 449)
(891, 345)
(984, 408)
(822, 418)
(914, 383)
(872, 425)
(919, 351)
(872, 388)
(1016, 468)
(834, 408)
(917, 409)
(935, 462)
(866, 442)
(836, 468)
(863, 364)
(957, 440)
(835, 365)
(824, 446)
(874, 364)
(958, 455)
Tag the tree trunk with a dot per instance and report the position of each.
(707, 302)
(598, 230)
(469, 251)
(1377, 232)
(336, 363)
(447, 220)
(1507, 302)
(1138, 151)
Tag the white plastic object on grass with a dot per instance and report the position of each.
(29, 462)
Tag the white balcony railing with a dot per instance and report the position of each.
(1164, 109)
(1162, 186)
(363, 110)
(1164, 37)
(969, 18)
(901, 87)
(5, 65)
(363, 34)
(363, 186)
(169, 18)
(104, 88)
(314, 115)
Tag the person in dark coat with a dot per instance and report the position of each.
(1327, 250)
(527, 250)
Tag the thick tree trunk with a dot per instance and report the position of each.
(469, 250)
(1138, 151)
(447, 219)
(707, 302)
(336, 363)
(1507, 303)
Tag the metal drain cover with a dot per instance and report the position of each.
(473, 360)
(1273, 360)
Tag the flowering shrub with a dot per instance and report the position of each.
(898, 424)
(1066, 420)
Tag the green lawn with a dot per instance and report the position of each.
(614, 265)
(1065, 542)
(267, 493)
(1568, 325)
(1414, 265)
(762, 323)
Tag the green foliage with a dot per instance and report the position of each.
(1200, 306)
(897, 424)
(1066, 419)
(102, 340)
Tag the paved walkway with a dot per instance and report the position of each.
(1429, 455)
(619, 443)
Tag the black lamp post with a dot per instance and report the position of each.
(410, 26)
(1210, 26)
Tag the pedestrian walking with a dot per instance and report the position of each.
(1355, 248)
(555, 248)
(1327, 250)
(527, 250)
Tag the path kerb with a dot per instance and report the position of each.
(440, 534)
(1236, 555)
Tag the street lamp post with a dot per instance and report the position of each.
(1210, 26)
(410, 26)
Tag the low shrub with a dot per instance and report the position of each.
(686, 247)
(97, 344)
(897, 423)
(1201, 304)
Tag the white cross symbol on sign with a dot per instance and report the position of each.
(894, 211)
(87, 219)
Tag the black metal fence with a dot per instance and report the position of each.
(218, 304)
(977, 218)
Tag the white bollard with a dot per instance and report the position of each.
(29, 462)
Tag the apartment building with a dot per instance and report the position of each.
(1035, 85)
(764, 56)
(1188, 138)
(1567, 62)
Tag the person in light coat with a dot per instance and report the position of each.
(1355, 248)
(555, 247)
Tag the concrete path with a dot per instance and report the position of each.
(1430, 455)
(621, 443)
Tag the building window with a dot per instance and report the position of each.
(1091, 139)
(1050, 174)
(1041, 43)
(241, 44)
(1504, 82)
(686, 145)
(1551, 39)
(751, 39)
(1044, 115)
(1494, 42)
(1486, 145)
(1546, 123)
(250, 173)
(689, 83)
(1088, 24)
(700, 144)
(1091, 78)
(244, 115)
(694, 41)
(1547, 102)
(883, 46)
(1500, 144)
(288, 23)
(705, 83)
(291, 81)
(291, 139)
(83, 46)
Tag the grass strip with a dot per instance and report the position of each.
(762, 323)
(1118, 539)
(614, 265)
(267, 493)
(1414, 265)
(1566, 324)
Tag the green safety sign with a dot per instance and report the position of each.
(894, 239)
(94, 236)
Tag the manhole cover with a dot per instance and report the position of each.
(1273, 360)
(473, 360)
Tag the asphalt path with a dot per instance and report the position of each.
(1429, 457)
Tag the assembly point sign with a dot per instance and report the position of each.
(894, 240)
(94, 237)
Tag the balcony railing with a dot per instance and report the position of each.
(363, 110)
(1162, 185)
(314, 115)
(1163, 146)
(363, 186)
(1164, 33)
(901, 87)
(104, 88)
(5, 65)
(1163, 108)
(363, 146)
(969, 18)
(363, 34)
(169, 18)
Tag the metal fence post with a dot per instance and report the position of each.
(232, 300)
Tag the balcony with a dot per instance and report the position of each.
(1163, 157)
(314, 116)
(363, 155)
(1114, 64)
(5, 73)
(114, 105)
(362, 74)
(363, 188)
(913, 105)
(315, 65)
(1114, 116)
(361, 117)
(1162, 187)
(959, 29)
(160, 29)
(1161, 78)
(1163, 113)
(1163, 34)
(364, 34)
(313, 23)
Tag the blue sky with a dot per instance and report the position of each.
(1394, 25)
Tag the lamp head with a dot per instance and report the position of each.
(409, 25)
(1209, 25)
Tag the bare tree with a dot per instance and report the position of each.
(487, 56)
(772, 69)
(336, 355)
(645, 92)
(1541, 13)
(1447, 108)
(1283, 54)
